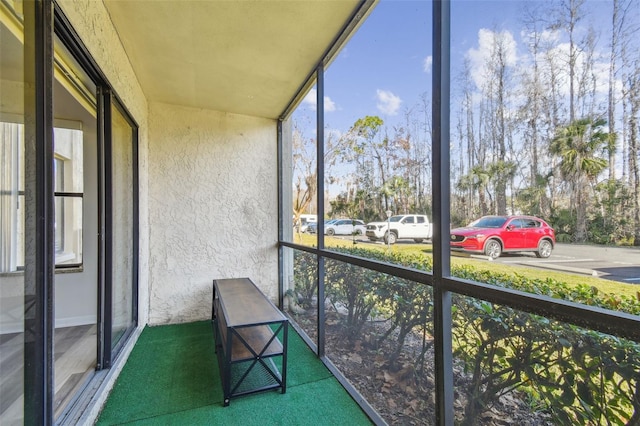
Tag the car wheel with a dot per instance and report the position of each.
(390, 238)
(493, 249)
(330, 231)
(544, 249)
(358, 231)
(418, 240)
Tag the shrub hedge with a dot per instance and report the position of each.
(578, 376)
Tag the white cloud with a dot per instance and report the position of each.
(427, 64)
(329, 105)
(559, 57)
(310, 101)
(488, 41)
(550, 36)
(388, 103)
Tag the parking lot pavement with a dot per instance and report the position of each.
(612, 263)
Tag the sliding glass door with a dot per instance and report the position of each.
(12, 210)
(124, 229)
(76, 226)
(68, 217)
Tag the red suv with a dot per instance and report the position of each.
(494, 235)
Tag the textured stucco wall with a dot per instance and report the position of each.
(213, 207)
(208, 188)
(91, 21)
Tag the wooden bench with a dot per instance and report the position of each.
(250, 339)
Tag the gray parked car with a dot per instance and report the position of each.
(345, 227)
(312, 228)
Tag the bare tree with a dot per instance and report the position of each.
(370, 155)
(497, 73)
(634, 150)
(538, 113)
(471, 154)
(569, 15)
(305, 178)
(616, 27)
(305, 175)
(586, 79)
(422, 153)
(531, 110)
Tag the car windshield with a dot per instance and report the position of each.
(395, 218)
(488, 222)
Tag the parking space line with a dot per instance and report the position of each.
(548, 261)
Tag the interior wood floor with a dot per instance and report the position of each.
(74, 361)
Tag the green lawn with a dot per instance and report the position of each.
(572, 279)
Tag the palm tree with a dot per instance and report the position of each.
(501, 172)
(579, 147)
(534, 198)
(481, 178)
(398, 189)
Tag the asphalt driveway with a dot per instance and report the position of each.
(612, 263)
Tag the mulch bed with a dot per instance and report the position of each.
(404, 393)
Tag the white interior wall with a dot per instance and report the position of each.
(76, 292)
(212, 207)
(11, 284)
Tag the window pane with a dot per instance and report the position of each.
(12, 196)
(379, 333)
(300, 167)
(301, 290)
(76, 201)
(12, 207)
(123, 226)
(533, 370)
(68, 230)
(540, 125)
(68, 165)
(378, 132)
(68, 177)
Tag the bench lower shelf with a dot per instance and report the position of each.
(250, 376)
(252, 357)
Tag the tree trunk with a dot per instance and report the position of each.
(581, 213)
(634, 173)
(611, 94)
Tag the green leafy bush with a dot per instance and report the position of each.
(579, 376)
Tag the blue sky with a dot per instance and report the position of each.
(385, 68)
(381, 70)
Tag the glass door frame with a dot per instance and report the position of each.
(106, 99)
(43, 19)
(39, 249)
(110, 352)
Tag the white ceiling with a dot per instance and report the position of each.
(246, 57)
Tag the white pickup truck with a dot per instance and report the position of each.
(405, 226)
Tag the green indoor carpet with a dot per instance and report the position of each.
(172, 378)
